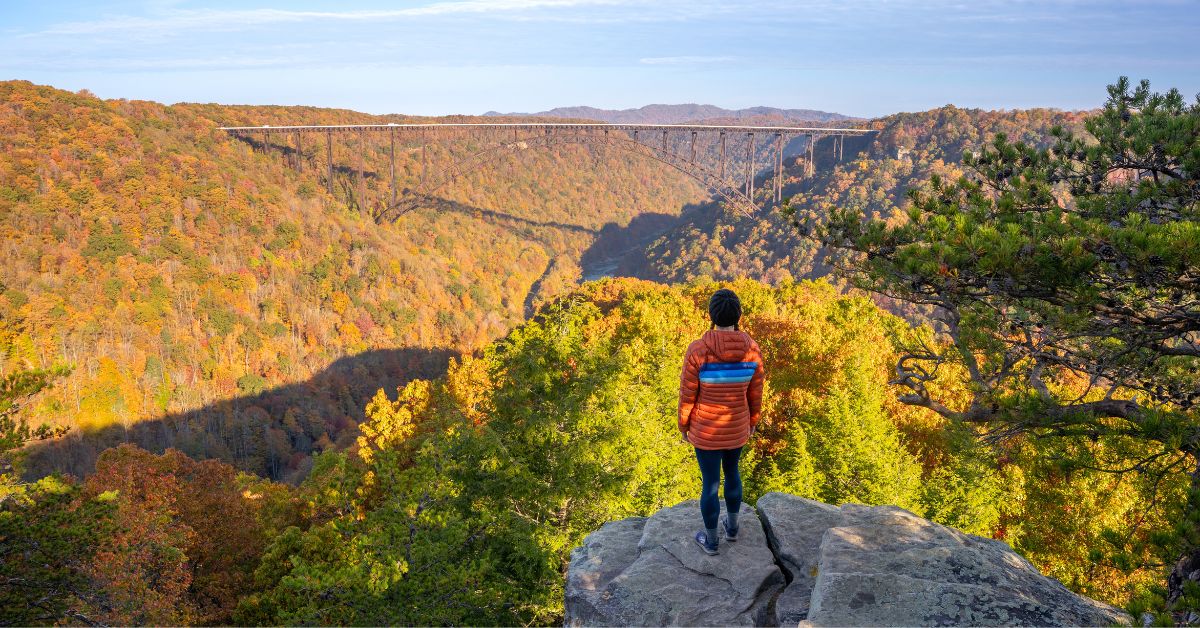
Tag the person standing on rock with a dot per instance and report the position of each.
(720, 403)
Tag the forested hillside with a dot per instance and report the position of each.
(180, 274)
(209, 297)
(460, 501)
(872, 175)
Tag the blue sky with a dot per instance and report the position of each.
(866, 58)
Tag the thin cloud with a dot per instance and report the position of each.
(174, 21)
(122, 64)
(684, 60)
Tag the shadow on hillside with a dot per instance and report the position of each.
(612, 242)
(271, 433)
(508, 221)
(621, 250)
(614, 250)
(712, 217)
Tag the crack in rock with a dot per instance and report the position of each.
(697, 571)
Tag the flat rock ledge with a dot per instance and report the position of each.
(802, 562)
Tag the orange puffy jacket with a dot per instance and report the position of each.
(720, 390)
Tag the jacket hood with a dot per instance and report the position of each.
(728, 346)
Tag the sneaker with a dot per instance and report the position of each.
(730, 535)
(702, 541)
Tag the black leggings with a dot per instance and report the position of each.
(711, 463)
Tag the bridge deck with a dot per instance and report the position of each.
(786, 130)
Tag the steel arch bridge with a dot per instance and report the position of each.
(725, 159)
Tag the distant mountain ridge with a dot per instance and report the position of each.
(673, 114)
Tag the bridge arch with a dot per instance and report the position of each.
(710, 168)
(712, 182)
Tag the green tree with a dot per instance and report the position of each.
(966, 490)
(48, 536)
(1066, 279)
(463, 503)
(829, 431)
(858, 452)
(466, 494)
(15, 389)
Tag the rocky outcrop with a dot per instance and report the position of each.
(804, 561)
(869, 566)
(649, 572)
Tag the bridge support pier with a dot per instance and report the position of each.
(362, 184)
(329, 160)
(722, 154)
(778, 168)
(299, 153)
(750, 166)
(812, 146)
(392, 161)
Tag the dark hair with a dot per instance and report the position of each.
(724, 308)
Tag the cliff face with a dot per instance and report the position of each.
(801, 560)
